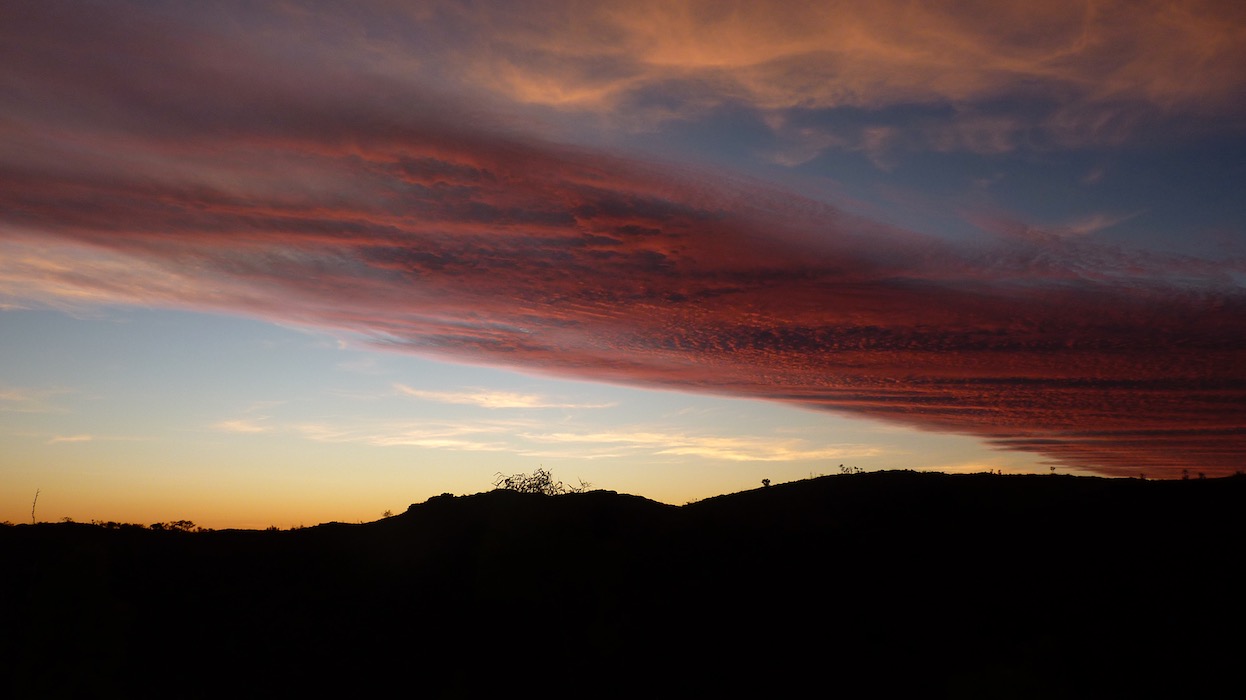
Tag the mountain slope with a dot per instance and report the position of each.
(882, 583)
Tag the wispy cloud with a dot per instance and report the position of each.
(735, 449)
(486, 398)
(29, 400)
(60, 439)
(524, 438)
(254, 419)
(242, 426)
(1096, 222)
(476, 437)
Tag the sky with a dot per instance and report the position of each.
(278, 263)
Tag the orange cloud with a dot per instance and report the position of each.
(1087, 58)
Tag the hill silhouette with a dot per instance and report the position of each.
(872, 584)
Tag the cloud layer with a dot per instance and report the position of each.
(991, 76)
(219, 171)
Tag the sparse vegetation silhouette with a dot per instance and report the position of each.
(540, 481)
(174, 526)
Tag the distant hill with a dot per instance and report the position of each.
(878, 584)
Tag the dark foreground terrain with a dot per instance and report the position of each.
(886, 584)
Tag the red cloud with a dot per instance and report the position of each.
(256, 194)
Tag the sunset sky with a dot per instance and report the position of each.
(291, 262)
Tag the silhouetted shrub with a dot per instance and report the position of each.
(540, 481)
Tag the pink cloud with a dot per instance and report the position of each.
(201, 181)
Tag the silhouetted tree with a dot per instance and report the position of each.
(765, 482)
(175, 526)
